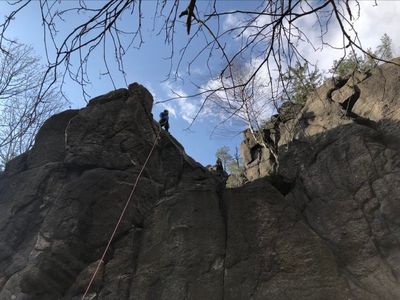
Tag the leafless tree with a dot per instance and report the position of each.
(247, 105)
(21, 111)
(272, 35)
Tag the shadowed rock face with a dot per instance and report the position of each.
(339, 167)
(332, 232)
(60, 201)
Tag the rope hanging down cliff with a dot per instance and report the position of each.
(121, 216)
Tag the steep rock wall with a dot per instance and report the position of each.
(60, 201)
(339, 165)
(331, 231)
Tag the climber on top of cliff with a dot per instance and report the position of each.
(164, 120)
(218, 165)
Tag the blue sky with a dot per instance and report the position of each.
(149, 66)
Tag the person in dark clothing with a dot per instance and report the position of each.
(218, 165)
(164, 120)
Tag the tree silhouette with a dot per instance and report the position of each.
(21, 112)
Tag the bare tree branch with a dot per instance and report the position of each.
(271, 36)
(21, 111)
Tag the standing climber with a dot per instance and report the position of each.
(164, 120)
(218, 165)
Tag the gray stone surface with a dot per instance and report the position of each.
(272, 254)
(60, 201)
(330, 230)
(340, 160)
(343, 183)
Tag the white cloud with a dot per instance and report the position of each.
(182, 106)
(230, 21)
(245, 26)
(373, 21)
(371, 24)
(227, 107)
(187, 110)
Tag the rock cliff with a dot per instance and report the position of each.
(339, 166)
(328, 229)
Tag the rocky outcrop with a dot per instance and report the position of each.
(60, 201)
(339, 165)
(259, 150)
(327, 228)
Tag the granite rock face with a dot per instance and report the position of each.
(60, 201)
(329, 230)
(339, 166)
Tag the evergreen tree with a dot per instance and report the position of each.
(347, 65)
(384, 50)
(302, 82)
(353, 62)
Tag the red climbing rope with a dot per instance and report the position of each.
(120, 218)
